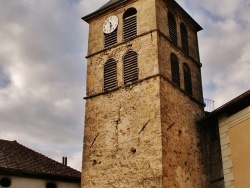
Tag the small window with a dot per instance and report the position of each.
(50, 185)
(172, 28)
(5, 182)
(130, 67)
(175, 69)
(184, 39)
(129, 23)
(110, 74)
(187, 79)
(110, 39)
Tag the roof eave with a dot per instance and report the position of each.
(29, 174)
(198, 27)
(88, 17)
(238, 103)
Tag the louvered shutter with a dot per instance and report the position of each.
(175, 70)
(130, 27)
(187, 79)
(172, 28)
(130, 23)
(110, 39)
(110, 74)
(130, 67)
(184, 39)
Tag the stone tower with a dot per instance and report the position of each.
(144, 95)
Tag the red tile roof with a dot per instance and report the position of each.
(20, 160)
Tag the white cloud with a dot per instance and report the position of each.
(41, 56)
(223, 45)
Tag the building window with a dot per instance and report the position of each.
(130, 67)
(129, 23)
(187, 79)
(184, 39)
(110, 74)
(110, 38)
(172, 28)
(50, 185)
(5, 182)
(175, 70)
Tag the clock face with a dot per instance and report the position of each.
(110, 24)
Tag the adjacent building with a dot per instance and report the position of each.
(226, 143)
(21, 167)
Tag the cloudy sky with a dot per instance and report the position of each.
(43, 69)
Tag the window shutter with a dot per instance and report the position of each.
(130, 23)
(110, 74)
(187, 79)
(172, 28)
(175, 69)
(130, 67)
(184, 39)
(110, 39)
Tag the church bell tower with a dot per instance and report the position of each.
(144, 95)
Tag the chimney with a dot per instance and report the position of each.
(64, 161)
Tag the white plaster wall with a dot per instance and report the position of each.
(19, 182)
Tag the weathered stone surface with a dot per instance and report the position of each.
(181, 152)
(162, 8)
(122, 145)
(146, 22)
(165, 49)
(211, 151)
(147, 50)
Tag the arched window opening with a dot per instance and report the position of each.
(175, 70)
(110, 74)
(130, 67)
(5, 182)
(50, 185)
(110, 38)
(184, 39)
(129, 23)
(172, 28)
(187, 79)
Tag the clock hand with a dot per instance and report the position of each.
(110, 25)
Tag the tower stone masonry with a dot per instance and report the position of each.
(144, 96)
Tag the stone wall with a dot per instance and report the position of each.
(162, 8)
(146, 16)
(122, 142)
(182, 162)
(146, 48)
(211, 152)
(165, 49)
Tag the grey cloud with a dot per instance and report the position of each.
(42, 55)
(223, 45)
(4, 79)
